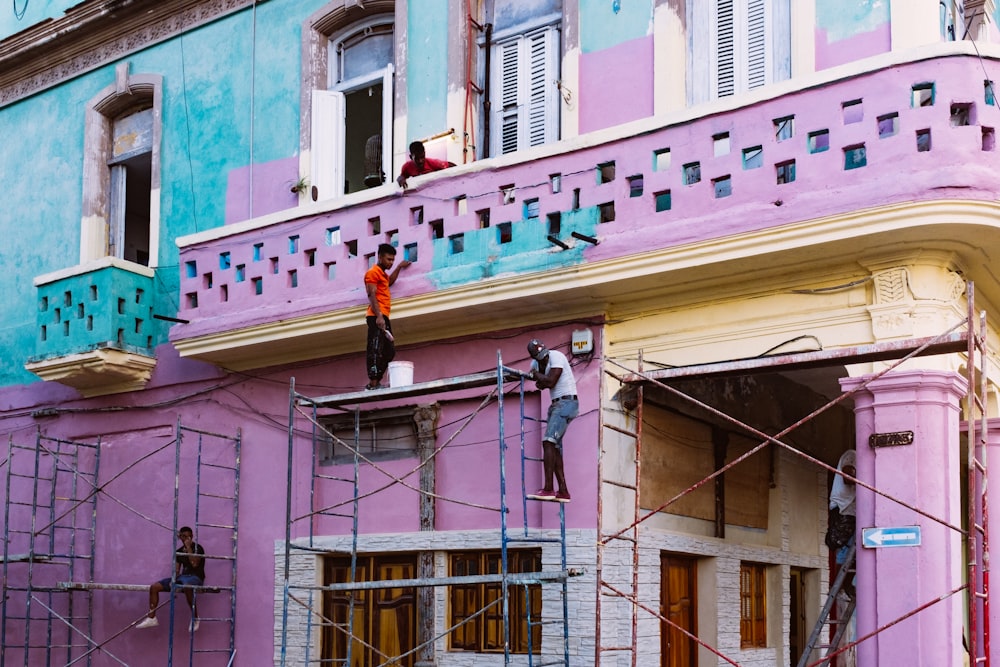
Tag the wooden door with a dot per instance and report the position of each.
(678, 603)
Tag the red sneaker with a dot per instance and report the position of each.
(562, 496)
(543, 494)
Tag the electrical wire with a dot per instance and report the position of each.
(19, 15)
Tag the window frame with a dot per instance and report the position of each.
(98, 229)
(328, 450)
(322, 139)
(536, 113)
(477, 596)
(707, 53)
(753, 605)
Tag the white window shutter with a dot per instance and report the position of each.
(525, 96)
(543, 95)
(387, 99)
(757, 44)
(725, 48)
(327, 150)
(116, 211)
(741, 45)
(508, 102)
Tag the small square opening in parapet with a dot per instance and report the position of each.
(753, 157)
(374, 226)
(555, 181)
(723, 186)
(784, 172)
(258, 249)
(332, 237)
(555, 223)
(531, 209)
(662, 201)
(923, 140)
(922, 95)
(507, 194)
(661, 159)
(888, 125)
(240, 273)
(607, 211)
(989, 94)
(504, 233)
(635, 185)
(605, 172)
(437, 229)
(410, 252)
(692, 173)
(818, 141)
(853, 111)
(456, 243)
(461, 205)
(720, 144)
(989, 139)
(962, 114)
(855, 157)
(417, 215)
(784, 128)
(484, 217)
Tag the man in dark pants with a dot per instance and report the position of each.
(550, 370)
(381, 347)
(190, 564)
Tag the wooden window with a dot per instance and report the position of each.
(380, 434)
(484, 633)
(753, 605)
(384, 620)
(525, 96)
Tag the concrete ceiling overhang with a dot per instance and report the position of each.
(968, 231)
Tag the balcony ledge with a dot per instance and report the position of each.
(97, 372)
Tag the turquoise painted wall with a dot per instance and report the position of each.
(845, 18)
(602, 27)
(207, 89)
(426, 68)
(23, 14)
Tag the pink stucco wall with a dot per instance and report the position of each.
(272, 182)
(617, 83)
(137, 469)
(830, 54)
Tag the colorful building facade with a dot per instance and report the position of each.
(734, 217)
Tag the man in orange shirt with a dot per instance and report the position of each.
(381, 347)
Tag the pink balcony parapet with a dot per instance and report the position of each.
(915, 131)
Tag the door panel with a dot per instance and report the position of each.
(678, 603)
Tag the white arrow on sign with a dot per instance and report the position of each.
(902, 536)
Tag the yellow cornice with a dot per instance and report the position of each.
(588, 290)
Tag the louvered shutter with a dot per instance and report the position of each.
(510, 98)
(725, 49)
(526, 99)
(757, 44)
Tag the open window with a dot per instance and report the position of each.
(351, 120)
(121, 179)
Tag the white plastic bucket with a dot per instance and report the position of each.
(400, 373)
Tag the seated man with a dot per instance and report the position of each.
(190, 572)
(419, 164)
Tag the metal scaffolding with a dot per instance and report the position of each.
(348, 489)
(51, 518)
(969, 336)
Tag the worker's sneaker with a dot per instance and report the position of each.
(148, 623)
(195, 624)
(543, 494)
(562, 497)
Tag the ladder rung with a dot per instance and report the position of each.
(621, 430)
(624, 485)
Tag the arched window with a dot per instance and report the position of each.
(351, 101)
(121, 175)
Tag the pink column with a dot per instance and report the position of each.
(895, 581)
(993, 511)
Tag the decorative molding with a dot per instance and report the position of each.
(96, 33)
(97, 373)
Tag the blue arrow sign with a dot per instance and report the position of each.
(897, 536)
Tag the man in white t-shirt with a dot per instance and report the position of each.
(550, 370)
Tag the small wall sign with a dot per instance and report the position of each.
(890, 439)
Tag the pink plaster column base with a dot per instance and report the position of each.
(895, 581)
